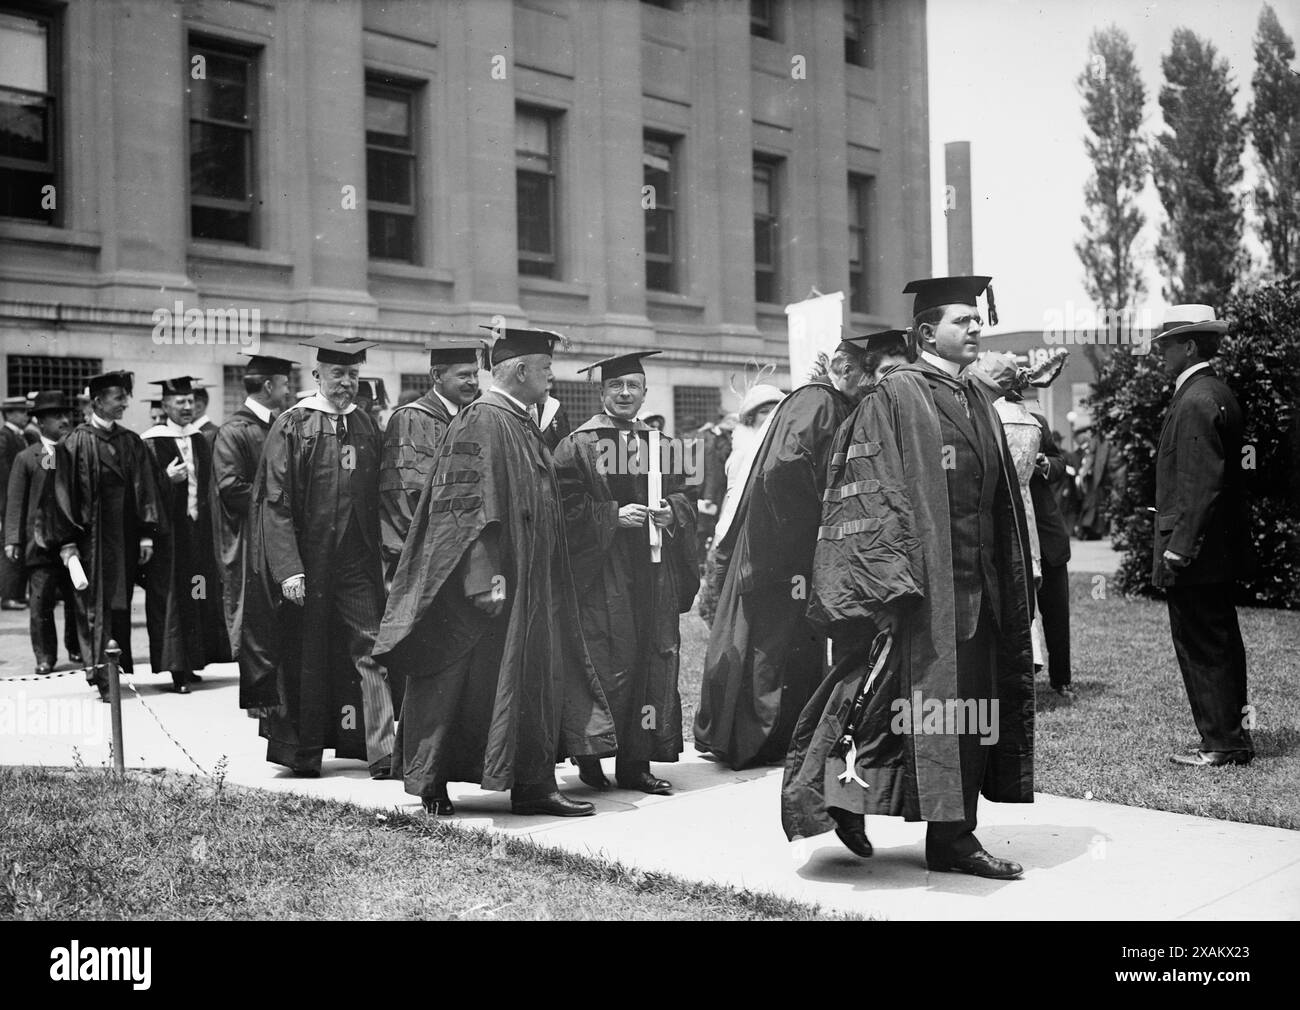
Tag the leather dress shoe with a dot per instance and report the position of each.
(43, 668)
(1212, 758)
(1066, 693)
(74, 657)
(195, 677)
(182, 688)
(439, 805)
(13, 605)
(981, 864)
(555, 804)
(851, 829)
(591, 774)
(646, 783)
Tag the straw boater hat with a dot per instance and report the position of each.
(1182, 319)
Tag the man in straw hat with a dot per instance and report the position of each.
(1202, 533)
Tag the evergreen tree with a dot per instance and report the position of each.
(1274, 121)
(1197, 167)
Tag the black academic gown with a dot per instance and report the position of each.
(411, 443)
(297, 524)
(922, 513)
(183, 608)
(494, 700)
(236, 451)
(629, 605)
(764, 659)
(104, 498)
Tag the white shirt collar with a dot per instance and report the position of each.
(49, 443)
(452, 409)
(518, 403)
(199, 422)
(318, 402)
(178, 430)
(99, 422)
(1186, 373)
(943, 364)
(13, 427)
(263, 413)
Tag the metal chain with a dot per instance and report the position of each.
(125, 679)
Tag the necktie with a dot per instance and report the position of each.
(341, 428)
(960, 395)
(633, 450)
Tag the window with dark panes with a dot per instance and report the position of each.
(535, 189)
(33, 373)
(390, 172)
(28, 117)
(660, 201)
(222, 104)
(859, 32)
(861, 191)
(767, 231)
(580, 400)
(701, 404)
(762, 18)
(413, 385)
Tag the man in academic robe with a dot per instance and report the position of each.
(15, 412)
(313, 559)
(630, 598)
(106, 510)
(1202, 535)
(24, 536)
(764, 659)
(183, 608)
(413, 438)
(202, 423)
(923, 537)
(552, 419)
(236, 452)
(481, 617)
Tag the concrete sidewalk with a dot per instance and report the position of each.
(1083, 860)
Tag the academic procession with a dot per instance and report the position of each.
(476, 589)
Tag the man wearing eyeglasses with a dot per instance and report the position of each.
(923, 535)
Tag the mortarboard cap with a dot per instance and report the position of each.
(881, 343)
(619, 365)
(933, 292)
(179, 386)
(99, 383)
(337, 349)
(513, 343)
(456, 353)
(264, 364)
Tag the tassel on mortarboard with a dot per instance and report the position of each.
(993, 308)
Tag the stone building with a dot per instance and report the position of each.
(180, 179)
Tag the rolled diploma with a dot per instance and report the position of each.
(79, 580)
(654, 494)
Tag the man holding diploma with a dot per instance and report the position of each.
(104, 513)
(631, 532)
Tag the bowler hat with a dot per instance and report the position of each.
(49, 400)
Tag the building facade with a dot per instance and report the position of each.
(183, 180)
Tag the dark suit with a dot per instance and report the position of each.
(1200, 514)
(1054, 548)
(11, 573)
(46, 575)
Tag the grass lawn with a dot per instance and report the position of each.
(79, 845)
(1132, 712)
